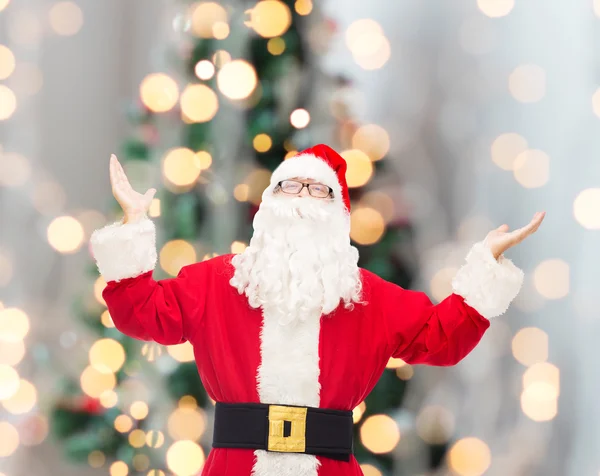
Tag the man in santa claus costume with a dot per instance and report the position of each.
(291, 335)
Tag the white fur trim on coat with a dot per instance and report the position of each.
(124, 250)
(307, 166)
(487, 285)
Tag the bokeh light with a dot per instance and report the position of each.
(367, 43)
(204, 69)
(139, 410)
(96, 459)
(175, 254)
(185, 458)
(65, 234)
(300, 118)
(532, 168)
(469, 457)
(66, 18)
(257, 181)
(159, 92)
(181, 352)
(94, 383)
(181, 167)
(358, 412)
(435, 425)
(373, 140)
(205, 16)
(7, 62)
(186, 423)
(8, 102)
(14, 325)
(360, 167)
(3, 4)
(381, 202)
(262, 143)
(380, 434)
(542, 372)
(203, 160)
(220, 30)
(551, 278)
(11, 353)
(23, 400)
(539, 401)
(25, 27)
(276, 46)
(109, 399)
(155, 438)
(123, 423)
(119, 468)
(221, 58)
(530, 346)
(366, 226)
(199, 103)
(9, 382)
(9, 438)
(49, 197)
(527, 83)
(237, 79)
(137, 438)
(107, 355)
(585, 208)
(99, 286)
(141, 462)
(27, 79)
(506, 148)
(33, 430)
(303, 7)
(15, 169)
(496, 8)
(270, 18)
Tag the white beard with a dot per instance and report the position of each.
(300, 263)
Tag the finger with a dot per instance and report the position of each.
(149, 195)
(112, 170)
(503, 228)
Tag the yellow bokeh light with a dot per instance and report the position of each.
(262, 143)
(300, 118)
(8, 102)
(15, 169)
(496, 8)
(220, 30)
(28, 78)
(237, 79)
(7, 62)
(181, 352)
(380, 434)
(405, 372)
(65, 234)
(290, 154)
(204, 70)
(542, 372)
(154, 210)
(106, 319)
(276, 46)
(270, 18)
(151, 350)
(539, 401)
(221, 58)
(240, 192)
(378, 58)
(506, 148)
(205, 16)
(381, 202)
(9, 382)
(368, 44)
(373, 140)
(203, 160)
(186, 423)
(358, 412)
(180, 167)
(34, 430)
(175, 254)
(238, 247)
(470, 457)
(185, 458)
(395, 363)
(107, 355)
(360, 167)
(14, 324)
(359, 29)
(109, 398)
(187, 401)
(530, 346)
(66, 18)
(366, 226)
(139, 410)
(585, 208)
(532, 168)
(141, 462)
(527, 83)
(159, 92)
(99, 286)
(155, 472)
(257, 181)
(11, 353)
(3, 4)
(94, 383)
(96, 459)
(303, 7)
(123, 423)
(435, 425)
(9, 436)
(137, 438)
(155, 439)
(49, 198)
(370, 470)
(199, 103)
(119, 468)
(551, 278)
(23, 400)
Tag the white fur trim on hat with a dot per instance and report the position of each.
(487, 285)
(124, 250)
(307, 166)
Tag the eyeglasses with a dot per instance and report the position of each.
(317, 190)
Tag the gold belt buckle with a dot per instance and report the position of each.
(296, 441)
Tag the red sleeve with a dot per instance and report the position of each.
(166, 311)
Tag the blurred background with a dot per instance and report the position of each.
(454, 117)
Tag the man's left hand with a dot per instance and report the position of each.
(500, 239)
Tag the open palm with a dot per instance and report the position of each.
(135, 205)
(500, 239)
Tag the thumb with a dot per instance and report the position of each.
(149, 195)
(503, 228)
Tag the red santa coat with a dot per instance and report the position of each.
(332, 364)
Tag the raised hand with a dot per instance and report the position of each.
(500, 239)
(134, 204)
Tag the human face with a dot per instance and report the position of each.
(304, 187)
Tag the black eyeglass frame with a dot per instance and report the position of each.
(307, 185)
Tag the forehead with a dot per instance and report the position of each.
(304, 179)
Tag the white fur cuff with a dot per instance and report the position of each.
(124, 250)
(487, 285)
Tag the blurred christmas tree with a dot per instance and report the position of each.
(239, 104)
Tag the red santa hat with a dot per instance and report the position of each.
(320, 163)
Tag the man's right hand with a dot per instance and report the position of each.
(135, 205)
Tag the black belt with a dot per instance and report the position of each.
(284, 429)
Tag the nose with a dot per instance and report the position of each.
(304, 192)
